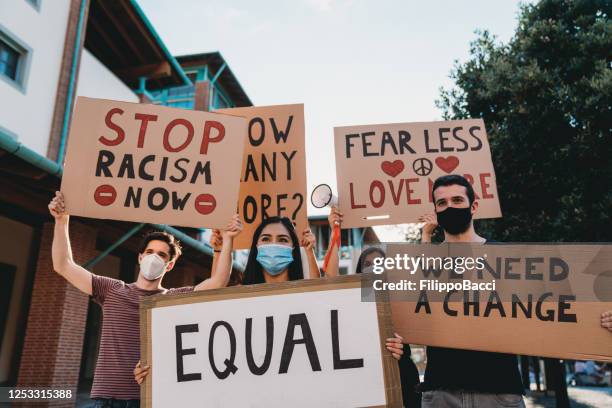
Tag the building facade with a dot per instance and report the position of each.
(51, 52)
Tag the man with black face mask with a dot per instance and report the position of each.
(462, 378)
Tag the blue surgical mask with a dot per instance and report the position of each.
(274, 258)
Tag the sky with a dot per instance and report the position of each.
(351, 62)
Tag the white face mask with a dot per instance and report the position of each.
(152, 267)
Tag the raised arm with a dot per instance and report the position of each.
(333, 267)
(216, 242)
(308, 242)
(428, 228)
(219, 277)
(61, 253)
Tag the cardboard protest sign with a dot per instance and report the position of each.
(385, 172)
(546, 300)
(147, 163)
(273, 178)
(276, 343)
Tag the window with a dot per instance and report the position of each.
(34, 3)
(9, 59)
(14, 60)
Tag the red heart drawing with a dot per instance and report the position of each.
(448, 164)
(392, 168)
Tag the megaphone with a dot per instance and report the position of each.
(322, 196)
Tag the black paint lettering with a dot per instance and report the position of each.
(340, 364)
(265, 166)
(266, 201)
(423, 302)
(366, 144)
(530, 267)
(447, 309)
(301, 320)
(181, 352)
(474, 303)
(550, 315)
(179, 203)
(280, 207)
(127, 165)
(133, 197)
(288, 160)
(427, 148)
(250, 169)
(387, 140)
(278, 135)
(472, 131)
(404, 138)
(527, 311)
(257, 141)
(142, 171)
(181, 169)
(494, 303)
(349, 144)
(463, 142)
(563, 306)
(201, 169)
(230, 368)
(255, 369)
(444, 139)
(164, 169)
(105, 159)
(249, 216)
(558, 263)
(508, 267)
(163, 193)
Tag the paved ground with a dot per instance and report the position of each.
(580, 397)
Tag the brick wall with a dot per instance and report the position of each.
(64, 77)
(56, 322)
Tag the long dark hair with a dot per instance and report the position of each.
(253, 272)
(366, 252)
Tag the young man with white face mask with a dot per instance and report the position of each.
(114, 383)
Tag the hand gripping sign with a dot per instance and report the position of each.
(385, 172)
(147, 163)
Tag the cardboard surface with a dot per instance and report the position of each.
(273, 177)
(148, 163)
(360, 355)
(385, 172)
(584, 340)
(547, 301)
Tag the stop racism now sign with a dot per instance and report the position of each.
(148, 163)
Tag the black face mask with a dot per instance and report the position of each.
(455, 220)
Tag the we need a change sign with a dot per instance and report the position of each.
(308, 343)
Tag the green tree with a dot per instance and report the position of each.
(546, 99)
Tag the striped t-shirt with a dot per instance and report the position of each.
(120, 341)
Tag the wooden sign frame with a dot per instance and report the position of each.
(392, 380)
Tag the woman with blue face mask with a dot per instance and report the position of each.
(275, 254)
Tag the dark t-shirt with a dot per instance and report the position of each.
(467, 370)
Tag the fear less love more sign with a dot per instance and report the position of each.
(309, 343)
(385, 173)
(147, 163)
